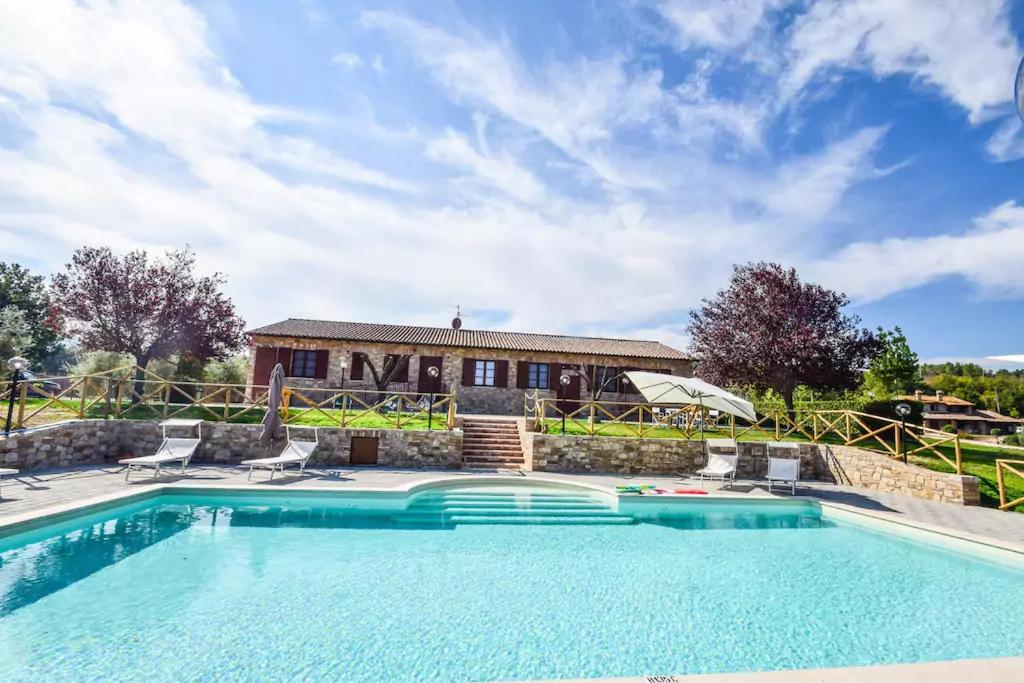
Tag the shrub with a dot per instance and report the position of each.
(888, 409)
(995, 432)
(948, 428)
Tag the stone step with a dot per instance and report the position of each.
(491, 432)
(493, 459)
(491, 453)
(515, 443)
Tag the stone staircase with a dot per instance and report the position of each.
(491, 443)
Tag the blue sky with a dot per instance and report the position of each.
(591, 168)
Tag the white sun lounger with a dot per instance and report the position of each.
(783, 471)
(171, 449)
(6, 471)
(720, 466)
(294, 453)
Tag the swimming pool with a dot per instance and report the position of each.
(482, 583)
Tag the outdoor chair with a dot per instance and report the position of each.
(783, 471)
(171, 450)
(720, 466)
(295, 453)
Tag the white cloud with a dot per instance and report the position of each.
(715, 23)
(810, 187)
(965, 51)
(501, 171)
(349, 60)
(578, 106)
(989, 256)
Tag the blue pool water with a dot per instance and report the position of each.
(197, 588)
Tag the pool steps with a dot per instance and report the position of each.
(455, 508)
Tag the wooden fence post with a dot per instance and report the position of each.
(778, 435)
(732, 426)
(117, 398)
(22, 400)
(959, 456)
(1002, 484)
(591, 421)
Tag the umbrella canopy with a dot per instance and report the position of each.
(673, 390)
(272, 420)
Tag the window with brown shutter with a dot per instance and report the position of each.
(356, 370)
(501, 373)
(554, 375)
(266, 358)
(468, 371)
(284, 357)
(322, 356)
(522, 374)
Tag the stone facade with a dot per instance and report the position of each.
(106, 441)
(506, 400)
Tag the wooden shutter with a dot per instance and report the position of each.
(322, 356)
(501, 373)
(554, 374)
(284, 357)
(522, 375)
(356, 369)
(265, 359)
(468, 371)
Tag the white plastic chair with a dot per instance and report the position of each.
(720, 466)
(783, 471)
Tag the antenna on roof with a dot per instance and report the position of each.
(457, 320)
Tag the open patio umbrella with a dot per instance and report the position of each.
(272, 420)
(659, 389)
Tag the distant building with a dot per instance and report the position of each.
(941, 410)
(490, 370)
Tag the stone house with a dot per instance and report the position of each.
(490, 370)
(941, 410)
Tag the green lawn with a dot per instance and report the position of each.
(57, 413)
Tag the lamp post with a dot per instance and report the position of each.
(564, 381)
(15, 365)
(432, 373)
(903, 409)
(344, 369)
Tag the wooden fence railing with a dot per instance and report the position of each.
(117, 394)
(847, 427)
(1002, 467)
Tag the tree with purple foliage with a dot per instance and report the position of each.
(149, 308)
(769, 330)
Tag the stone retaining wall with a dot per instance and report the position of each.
(866, 469)
(105, 441)
(845, 465)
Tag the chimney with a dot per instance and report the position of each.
(917, 395)
(939, 395)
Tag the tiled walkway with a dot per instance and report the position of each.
(36, 491)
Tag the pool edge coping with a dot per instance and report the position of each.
(52, 514)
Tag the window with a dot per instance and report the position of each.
(537, 376)
(483, 375)
(303, 363)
